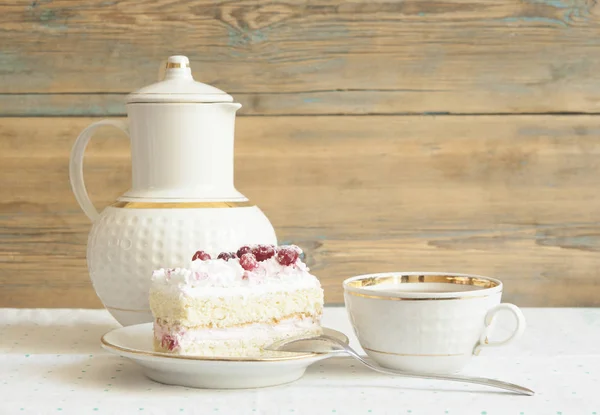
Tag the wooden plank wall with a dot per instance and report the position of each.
(379, 135)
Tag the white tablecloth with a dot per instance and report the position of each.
(52, 362)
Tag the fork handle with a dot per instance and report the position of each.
(455, 378)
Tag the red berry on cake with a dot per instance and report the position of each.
(201, 255)
(225, 256)
(233, 254)
(248, 262)
(263, 252)
(287, 255)
(169, 342)
(243, 250)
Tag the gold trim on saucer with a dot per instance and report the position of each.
(127, 309)
(413, 355)
(292, 356)
(210, 358)
(180, 205)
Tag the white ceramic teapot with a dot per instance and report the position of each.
(182, 197)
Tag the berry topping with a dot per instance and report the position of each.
(263, 252)
(287, 255)
(201, 255)
(225, 256)
(243, 250)
(248, 262)
(169, 342)
(233, 255)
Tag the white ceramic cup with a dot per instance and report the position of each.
(426, 322)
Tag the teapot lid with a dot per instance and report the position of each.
(179, 86)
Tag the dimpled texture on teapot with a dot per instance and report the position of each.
(126, 245)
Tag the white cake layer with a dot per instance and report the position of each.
(240, 341)
(222, 310)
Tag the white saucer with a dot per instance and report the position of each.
(272, 368)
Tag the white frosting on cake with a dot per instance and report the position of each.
(218, 277)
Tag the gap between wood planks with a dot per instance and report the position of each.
(334, 102)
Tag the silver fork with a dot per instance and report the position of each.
(332, 345)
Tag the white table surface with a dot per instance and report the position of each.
(52, 362)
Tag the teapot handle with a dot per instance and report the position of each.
(76, 164)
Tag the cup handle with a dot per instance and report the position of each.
(76, 164)
(489, 318)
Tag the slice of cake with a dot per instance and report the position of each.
(236, 304)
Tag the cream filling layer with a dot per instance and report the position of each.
(182, 337)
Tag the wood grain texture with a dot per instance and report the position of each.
(512, 197)
(500, 193)
(299, 57)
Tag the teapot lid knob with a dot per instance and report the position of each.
(178, 61)
(179, 86)
(178, 67)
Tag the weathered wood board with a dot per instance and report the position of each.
(337, 139)
(507, 196)
(60, 57)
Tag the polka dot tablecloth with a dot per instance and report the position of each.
(51, 363)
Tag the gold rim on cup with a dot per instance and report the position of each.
(366, 286)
